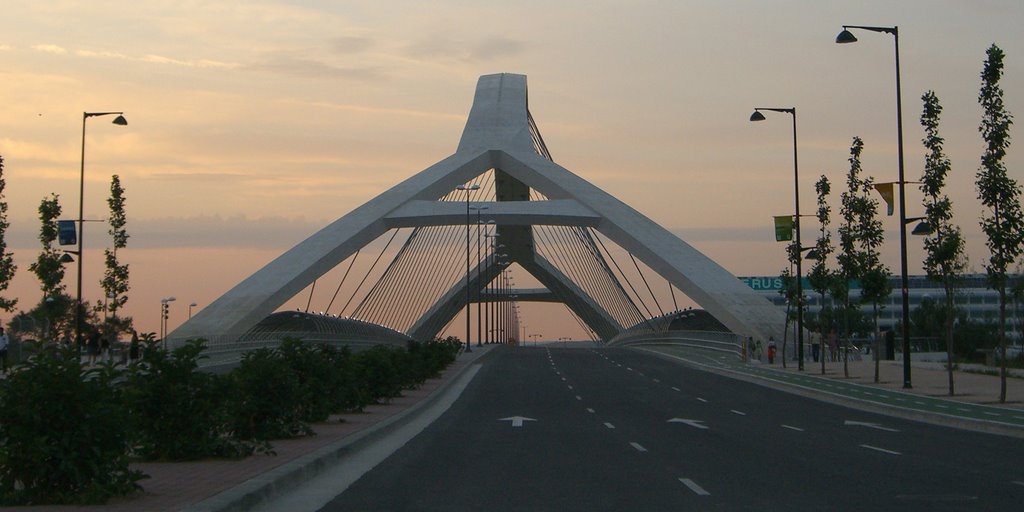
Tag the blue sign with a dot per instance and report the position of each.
(66, 232)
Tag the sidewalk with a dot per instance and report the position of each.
(174, 486)
(975, 405)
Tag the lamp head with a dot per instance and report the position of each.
(757, 116)
(66, 258)
(846, 37)
(922, 229)
(120, 121)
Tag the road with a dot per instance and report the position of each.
(614, 429)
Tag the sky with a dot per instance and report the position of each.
(251, 125)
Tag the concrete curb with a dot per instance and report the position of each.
(277, 481)
(932, 418)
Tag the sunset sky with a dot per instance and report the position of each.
(254, 124)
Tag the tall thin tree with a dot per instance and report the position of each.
(820, 276)
(115, 278)
(48, 268)
(1003, 224)
(874, 276)
(7, 266)
(945, 260)
(848, 258)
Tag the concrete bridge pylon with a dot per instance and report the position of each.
(499, 135)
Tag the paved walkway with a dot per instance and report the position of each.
(176, 485)
(976, 402)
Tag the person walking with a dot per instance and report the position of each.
(4, 343)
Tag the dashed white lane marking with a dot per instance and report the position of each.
(563, 379)
(591, 411)
(579, 397)
(570, 387)
(628, 368)
(883, 450)
(741, 413)
(609, 425)
(1018, 482)
(940, 406)
(798, 429)
(698, 490)
(657, 381)
(702, 400)
(675, 388)
(637, 446)
(993, 413)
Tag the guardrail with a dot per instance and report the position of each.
(709, 340)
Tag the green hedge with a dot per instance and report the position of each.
(65, 435)
(68, 433)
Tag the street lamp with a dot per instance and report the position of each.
(120, 121)
(190, 306)
(479, 276)
(467, 189)
(758, 116)
(847, 37)
(165, 310)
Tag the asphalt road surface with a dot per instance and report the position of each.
(613, 429)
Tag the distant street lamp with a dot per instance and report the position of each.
(190, 306)
(120, 121)
(467, 189)
(479, 274)
(846, 37)
(758, 116)
(165, 310)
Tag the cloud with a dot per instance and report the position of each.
(49, 48)
(351, 44)
(441, 46)
(310, 68)
(158, 59)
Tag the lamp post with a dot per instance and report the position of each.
(165, 310)
(467, 189)
(190, 306)
(479, 276)
(120, 121)
(846, 37)
(758, 116)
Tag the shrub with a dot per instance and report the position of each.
(268, 399)
(178, 412)
(64, 437)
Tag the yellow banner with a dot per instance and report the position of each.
(783, 228)
(885, 189)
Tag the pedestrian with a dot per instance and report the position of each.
(771, 350)
(815, 345)
(93, 345)
(4, 343)
(105, 347)
(757, 349)
(833, 345)
(133, 346)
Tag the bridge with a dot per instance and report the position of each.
(499, 200)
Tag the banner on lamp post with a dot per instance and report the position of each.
(783, 228)
(885, 189)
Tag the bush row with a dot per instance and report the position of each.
(69, 432)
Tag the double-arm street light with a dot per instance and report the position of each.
(468, 189)
(847, 37)
(120, 121)
(758, 116)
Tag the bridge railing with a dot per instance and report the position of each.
(717, 341)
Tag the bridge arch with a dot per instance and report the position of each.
(499, 136)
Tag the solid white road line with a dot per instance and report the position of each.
(675, 388)
(741, 413)
(702, 400)
(698, 490)
(638, 447)
(883, 450)
(798, 429)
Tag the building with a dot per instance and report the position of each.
(974, 299)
